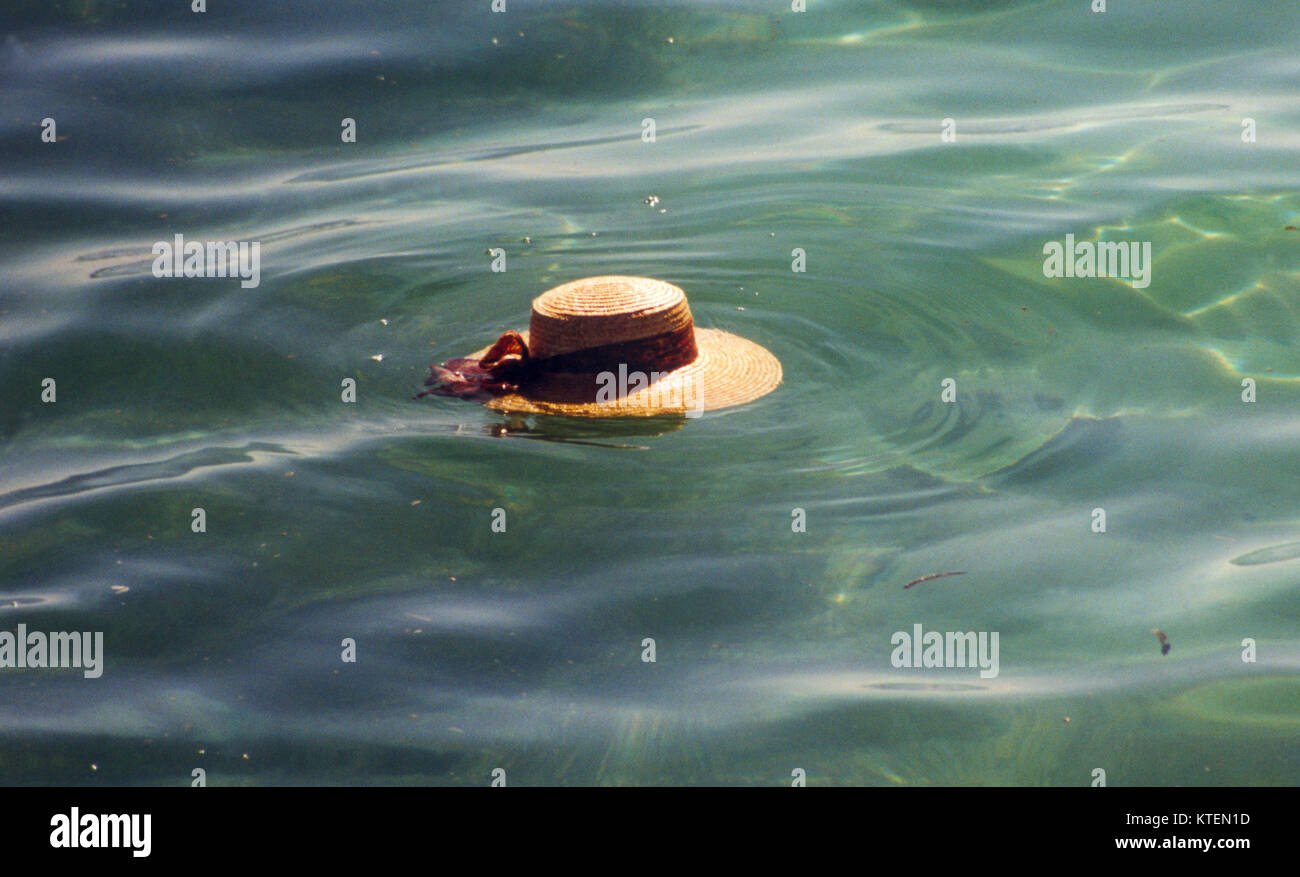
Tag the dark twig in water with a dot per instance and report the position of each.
(933, 575)
(1164, 640)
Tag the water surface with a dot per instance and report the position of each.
(522, 650)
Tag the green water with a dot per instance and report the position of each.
(523, 650)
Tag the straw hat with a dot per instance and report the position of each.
(611, 347)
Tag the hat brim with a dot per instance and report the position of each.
(729, 371)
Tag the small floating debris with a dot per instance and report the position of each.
(1164, 640)
(652, 200)
(527, 239)
(384, 320)
(933, 575)
(378, 357)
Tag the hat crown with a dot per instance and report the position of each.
(596, 311)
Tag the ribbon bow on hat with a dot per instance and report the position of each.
(499, 371)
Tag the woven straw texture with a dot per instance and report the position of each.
(729, 370)
(604, 310)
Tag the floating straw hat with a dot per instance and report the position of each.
(611, 347)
